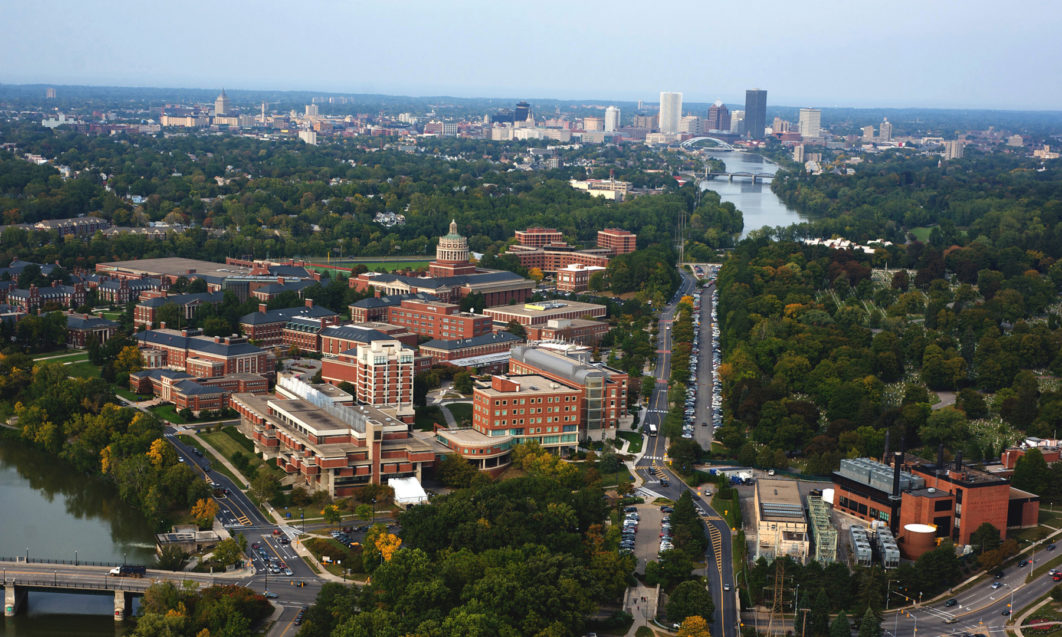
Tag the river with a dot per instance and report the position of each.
(756, 201)
(51, 511)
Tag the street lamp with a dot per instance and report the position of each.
(373, 512)
(75, 557)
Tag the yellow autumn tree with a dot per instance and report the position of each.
(204, 511)
(128, 360)
(105, 459)
(535, 274)
(157, 452)
(694, 626)
(387, 544)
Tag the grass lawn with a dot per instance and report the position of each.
(128, 395)
(922, 233)
(168, 412)
(216, 466)
(228, 446)
(83, 369)
(462, 413)
(1050, 518)
(63, 356)
(635, 439)
(240, 439)
(427, 417)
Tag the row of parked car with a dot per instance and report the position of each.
(630, 529)
(691, 391)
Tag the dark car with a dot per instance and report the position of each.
(1050, 547)
(1023, 563)
(1006, 611)
(951, 602)
(999, 574)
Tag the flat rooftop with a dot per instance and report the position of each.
(175, 266)
(530, 385)
(779, 500)
(546, 308)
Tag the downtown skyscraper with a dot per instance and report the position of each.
(670, 112)
(755, 113)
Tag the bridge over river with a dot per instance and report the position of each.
(754, 177)
(20, 577)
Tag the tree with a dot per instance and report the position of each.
(839, 627)
(870, 626)
(456, 472)
(228, 553)
(985, 537)
(463, 383)
(266, 484)
(535, 274)
(695, 626)
(516, 328)
(689, 598)
(204, 511)
(1031, 472)
(363, 511)
(128, 360)
(332, 514)
(171, 558)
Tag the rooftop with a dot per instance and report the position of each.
(544, 308)
(779, 500)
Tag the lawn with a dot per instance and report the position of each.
(462, 413)
(83, 369)
(427, 417)
(216, 466)
(128, 395)
(228, 445)
(922, 233)
(168, 412)
(634, 438)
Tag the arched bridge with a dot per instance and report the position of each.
(693, 141)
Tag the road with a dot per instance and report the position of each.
(652, 468)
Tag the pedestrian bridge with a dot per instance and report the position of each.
(19, 577)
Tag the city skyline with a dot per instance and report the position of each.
(935, 55)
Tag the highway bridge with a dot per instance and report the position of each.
(19, 577)
(754, 177)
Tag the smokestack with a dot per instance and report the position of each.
(958, 460)
(940, 457)
(897, 460)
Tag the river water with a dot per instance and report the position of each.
(51, 510)
(756, 201)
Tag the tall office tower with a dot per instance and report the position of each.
(718, 117)
(49, 93)
(221, 104)
(885, 130)
(810, 123)
(670, 112)
(522, 112)
(868, 133)
(648, 122)
(798, 153)
(953, 149)
(612, 119)
(593, 123)
(311, 110)
(737, 121)
(755, 113)
(781, 125)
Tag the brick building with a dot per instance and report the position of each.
(147, 309)
(80, 327)
(309, 433)
(539, 237)
(203, 356)
(542, 312)
(337, 339)
(617, 241)
(304, 332)
(438, 320)
(375, 308)
(552, 258)
(381, 371)
(441, 351)
(528, 408)
(265, 327)
(35, 298)
(579, 331)
(185, 391)
(604, 389)
(576, 277)
(121, 291)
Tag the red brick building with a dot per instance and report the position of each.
(604, 389)
(381, 371)
(375, 308)
(309, 433)
(576, 277)
(528, 408)
(552, 258)
(266, 327)
(80, 327)
(539, 237)
(441, 351)
(617, 241)
(204, 356)
(58, 295)
(1010, 456)
(438, 320)
(542, 312)
(304, 332)
(579, 331)
(185, 391)
(146, 311)
(337, 339)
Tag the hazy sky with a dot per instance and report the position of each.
(935, 53)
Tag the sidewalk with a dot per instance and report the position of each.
(1021, 618)
(641, 602)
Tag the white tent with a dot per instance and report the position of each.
(407, 491)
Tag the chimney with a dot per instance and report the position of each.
(958, 460)
(262, 308)
(897, 460)
(217, 339)
(162, 325)
(309, 302)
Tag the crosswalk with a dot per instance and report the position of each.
(656, 411)
(717, 545)
(653, 457)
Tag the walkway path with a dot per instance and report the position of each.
(451, 422)
(641, 602)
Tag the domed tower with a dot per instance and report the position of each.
(451, 255)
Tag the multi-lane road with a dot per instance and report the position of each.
(659, 481)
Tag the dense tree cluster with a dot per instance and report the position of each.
(168, 609)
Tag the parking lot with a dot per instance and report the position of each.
(647, 539)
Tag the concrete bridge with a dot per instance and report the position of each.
(19, 577)
(754, 177)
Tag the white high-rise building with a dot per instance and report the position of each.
(311, 110)
(737, 118)
(810, 123)
(953, 149)
(612, 119)
(670, 112)
(885, 130)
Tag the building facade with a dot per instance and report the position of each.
(755, 113)
(203, 356)
(528, 408)
(670, 112)
(438, 320)
(617, 240)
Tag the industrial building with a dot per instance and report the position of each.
(823, 534)
(781, 529)
(859, 541)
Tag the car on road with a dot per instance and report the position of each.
(951, 602)
(289, 572)
(726, 587)
(996, 585)
(270, 595)
(666, 509)
(1050, 547)
(1006, 612)
(951, 620)
(1023, 563)
(999, 574)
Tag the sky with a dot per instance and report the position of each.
(901, 53)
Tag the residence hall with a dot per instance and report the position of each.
(314, 434)
(438, 320)
(954, 498)
(451, 277)
(374, 308)
(240, 277)
(381, 372)
(541, 312)
(197, 395)
(265, 327)
(446, 351)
